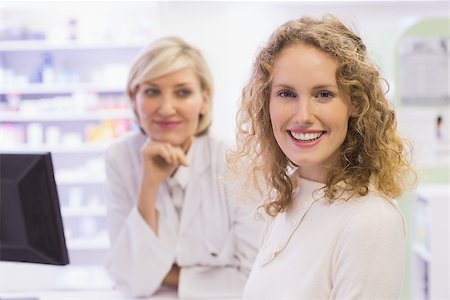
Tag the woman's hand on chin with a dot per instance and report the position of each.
(161, 159)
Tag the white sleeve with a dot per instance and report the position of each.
(138, 260)
(246, 228)
(369, 262)
(227, 281)
(248, 231)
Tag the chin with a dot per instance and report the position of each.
(175, 141)
(303, 162)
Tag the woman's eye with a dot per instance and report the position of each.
(183, 93)
(285, 94)
(324, 95)
(151, 92)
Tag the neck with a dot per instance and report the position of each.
(317, 175)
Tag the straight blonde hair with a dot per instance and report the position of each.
(168, 55)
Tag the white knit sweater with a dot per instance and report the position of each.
(319, 250)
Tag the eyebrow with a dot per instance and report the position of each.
(284, 86)
(317, 87)
(176, 86)
(325, 86)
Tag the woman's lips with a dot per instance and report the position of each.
(306, 139)
(167, 124)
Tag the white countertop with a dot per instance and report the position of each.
(46, 282)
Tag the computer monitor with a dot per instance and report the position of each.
(31, 228)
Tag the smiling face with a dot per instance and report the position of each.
(309, 113)
(168, 107)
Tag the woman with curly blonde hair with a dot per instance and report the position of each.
(315, 124)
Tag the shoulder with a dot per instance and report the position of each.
(376, 204)
(126, 145)
(212, 148)
(374, 214)
(213, 142)
(123, 143)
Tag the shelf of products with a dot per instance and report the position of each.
(430, 245)
(12, 89)
(63, 73)
(68, 99)
(43, 45)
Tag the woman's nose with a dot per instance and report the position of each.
(167, 106)
(305, 111)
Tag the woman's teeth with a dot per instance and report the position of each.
(306, 137)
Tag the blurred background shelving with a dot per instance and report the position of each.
(430, 246)
(62, 83)
(63, 68)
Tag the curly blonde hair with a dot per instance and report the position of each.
(372, 152)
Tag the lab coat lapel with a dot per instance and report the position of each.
(195, 193)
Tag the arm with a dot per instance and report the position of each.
(139, 259)
(228, 279)
(159, 161)
(247, 231)
(370, 257)
(243, 207)
(226, 275)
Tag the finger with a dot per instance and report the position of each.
(161, 158)
(171, 157)
(158, 151)
(176, 152)
(185, 146)
(181, 157)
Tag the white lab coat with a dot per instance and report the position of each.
(214, 243)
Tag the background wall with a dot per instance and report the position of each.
(229, 33)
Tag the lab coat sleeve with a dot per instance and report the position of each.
(138, 260)
(369, 260)
(227, 281)
(247, 231)
(246, 227)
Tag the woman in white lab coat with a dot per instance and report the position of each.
(328, 147)
(173, 217)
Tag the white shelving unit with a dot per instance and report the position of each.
(430, 259)
(41, 45)
(73, 108)
(28, 116)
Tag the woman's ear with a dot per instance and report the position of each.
(134, 106)
(205, 102)
(133, 102)
(353, 109)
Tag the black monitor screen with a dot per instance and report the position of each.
(31, 228)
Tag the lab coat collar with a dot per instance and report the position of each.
(199, 157)
(198, 160)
